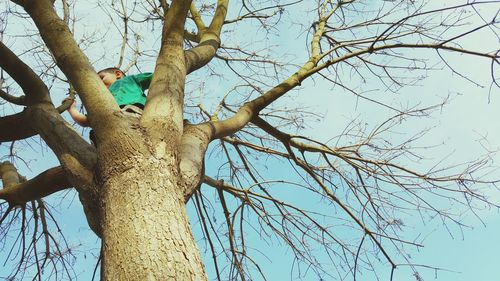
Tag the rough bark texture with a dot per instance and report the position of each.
(146, 231)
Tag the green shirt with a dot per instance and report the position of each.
(130, 89)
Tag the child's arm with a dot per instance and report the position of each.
(80, 119)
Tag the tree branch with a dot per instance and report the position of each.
(205, 51)
(72, 61)
(21, 100)
(164, 108)
(46, 183)
(33, 87)
(194, 144)
(252, 108)
(10, 129)
(197, 18)
(372, 49)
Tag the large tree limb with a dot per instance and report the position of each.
(203, 53)
(10, 129)
(251, 109)
(36, 94)
(209, 43)
(17, 192)
(46, 183)
(196, 17)
(55, 33)
(33, 87)
(165, 102)
(77, 157)
(194, 144)
(63, 140)
(42, 116)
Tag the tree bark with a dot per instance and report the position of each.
(146, 232)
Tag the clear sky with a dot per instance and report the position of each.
(466, 128)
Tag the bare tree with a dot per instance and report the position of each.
(135, 182)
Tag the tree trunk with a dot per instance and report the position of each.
(146, 233)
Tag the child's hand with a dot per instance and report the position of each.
(80, 119)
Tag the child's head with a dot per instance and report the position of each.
(110, 75)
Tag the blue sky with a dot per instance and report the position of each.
(462, 128)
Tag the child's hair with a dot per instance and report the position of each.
(111, 70)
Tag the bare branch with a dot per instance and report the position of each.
(21, 100)
(10, 129)
(74, 64)
(46, 183)
(166, 92)
(32, 85)
(209, 41)
(194, 144)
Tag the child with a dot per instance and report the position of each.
(128, 92)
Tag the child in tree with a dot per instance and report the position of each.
(128, 92)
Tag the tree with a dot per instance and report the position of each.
(134, 184)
